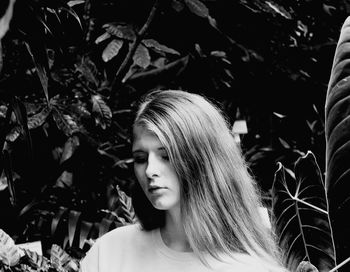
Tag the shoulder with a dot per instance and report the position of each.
(111, 247)
(123, 232)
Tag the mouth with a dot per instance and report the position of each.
(154, 189)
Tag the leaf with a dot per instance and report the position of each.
(14, 134)
(73, 3)
(64, 122)
(112, 49)
(301, 215)
(120, 31)
(177, 5)
(41, 62)
(36, 260)
(9, 176)
(9, 252)
(73, 219)
(142, 57)
(103, 114)
(6, 18)
(337, 127)
(197, 7)
(102, 37)
(306, 267)
(88, 69)
(58, 257)
(127, 210)
(160, 48)
(38, 119)
(21, 117)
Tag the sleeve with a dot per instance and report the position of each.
(90, 263)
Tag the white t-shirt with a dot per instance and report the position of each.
(131, 249)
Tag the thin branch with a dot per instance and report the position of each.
(124, 67)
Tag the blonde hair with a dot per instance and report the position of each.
(219, 199)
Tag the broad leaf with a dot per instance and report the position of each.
(9, 252)
(38, 119)
(337, 125)
(142, 57)
(64, 122)
(103, 114)
(112, 49)
(197, 7)
(301, 215)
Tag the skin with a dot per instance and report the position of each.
(160, 184)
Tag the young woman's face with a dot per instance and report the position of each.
(153, 170)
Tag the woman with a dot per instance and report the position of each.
(197, 205)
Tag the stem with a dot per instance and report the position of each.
(310, 205)
(340, 265)
(124, 67)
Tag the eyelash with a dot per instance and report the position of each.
(139, 160)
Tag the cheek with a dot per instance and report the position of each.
(140, 174)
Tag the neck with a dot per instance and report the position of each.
(173, 233)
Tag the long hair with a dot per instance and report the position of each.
(219, 199)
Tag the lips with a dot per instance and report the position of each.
(153, 189)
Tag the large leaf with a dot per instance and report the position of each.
(9, 252)
(337, 125)
(301, 215)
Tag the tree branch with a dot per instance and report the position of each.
(124, 67)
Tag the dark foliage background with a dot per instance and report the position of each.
(71, 72)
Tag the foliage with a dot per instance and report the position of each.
(302, 219)
(71, 73)
(15, 258)
(337, 139)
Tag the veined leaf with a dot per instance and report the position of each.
(102, 37)
(337, 127)
(112, 49)
(36, 260)
(142, 57)
(59, 258)
(88, 69)
(38, 119)
(301, 215)
(160, 48)
(64, 122)
(197, 7)
(120, 31)
(127, 210)
(9, 252)
(103, 114)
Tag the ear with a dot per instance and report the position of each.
(6, 18)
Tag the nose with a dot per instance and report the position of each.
(152, 169)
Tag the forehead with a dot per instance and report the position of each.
(144, 138)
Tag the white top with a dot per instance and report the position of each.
(131, 249)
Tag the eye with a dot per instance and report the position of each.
(140, 159)
(165, 157)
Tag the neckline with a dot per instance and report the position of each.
(169, 252)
